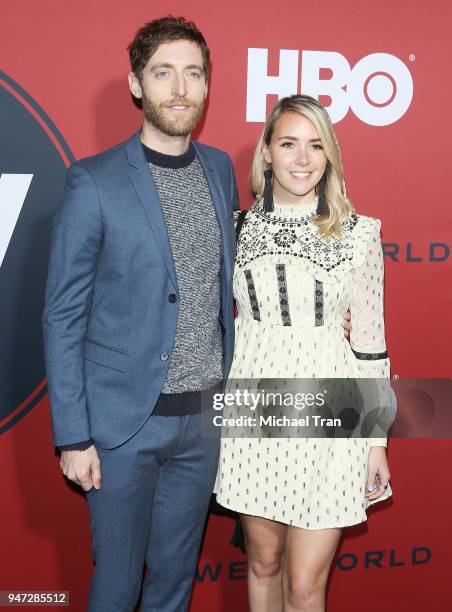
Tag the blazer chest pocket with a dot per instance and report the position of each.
(106, 356)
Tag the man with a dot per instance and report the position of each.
(138, 319)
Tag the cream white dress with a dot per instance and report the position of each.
(292, 288)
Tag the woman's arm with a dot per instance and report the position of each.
(367, 335)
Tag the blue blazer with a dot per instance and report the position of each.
(109, 322)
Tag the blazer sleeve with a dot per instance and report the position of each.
(367, 335)
(75, 248)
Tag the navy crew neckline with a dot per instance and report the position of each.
(170, 161)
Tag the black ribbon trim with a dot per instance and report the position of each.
(370, 356)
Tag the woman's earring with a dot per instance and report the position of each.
(321, 204)
(268, 191)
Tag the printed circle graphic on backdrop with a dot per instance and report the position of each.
(33, 161)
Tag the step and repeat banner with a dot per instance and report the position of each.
(382, 69)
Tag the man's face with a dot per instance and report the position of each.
(173, 88)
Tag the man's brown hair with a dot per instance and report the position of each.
(164, 30)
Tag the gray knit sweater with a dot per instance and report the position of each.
(197, 356)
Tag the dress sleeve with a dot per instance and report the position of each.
(367, 336)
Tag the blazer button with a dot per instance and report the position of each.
(164, 356)
(172, 298)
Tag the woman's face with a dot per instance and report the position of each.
(297, 158)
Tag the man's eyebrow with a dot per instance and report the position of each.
(162, 65)
(196, 66)
(294, 139)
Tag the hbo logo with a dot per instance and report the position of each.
(378, 89)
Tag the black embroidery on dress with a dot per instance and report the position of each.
(267, 234)
(283, 296)
(285, 237)
(371, 356)
(318, 301)
(252, 295)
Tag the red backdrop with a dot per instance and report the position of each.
(71, 57)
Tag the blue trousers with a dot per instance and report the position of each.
(150, 510)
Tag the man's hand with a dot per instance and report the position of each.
(346, 324)
(82, 467)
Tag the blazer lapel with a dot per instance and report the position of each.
(141, 178)
(220, 207)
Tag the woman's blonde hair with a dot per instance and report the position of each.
(337, 205)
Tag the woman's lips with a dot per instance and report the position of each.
(301, 176)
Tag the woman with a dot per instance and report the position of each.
(303, 258)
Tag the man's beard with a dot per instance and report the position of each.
(177, 126)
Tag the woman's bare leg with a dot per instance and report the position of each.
(307, 560)
(264, 546)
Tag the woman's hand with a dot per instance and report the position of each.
(346, 324)
(377, 472)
